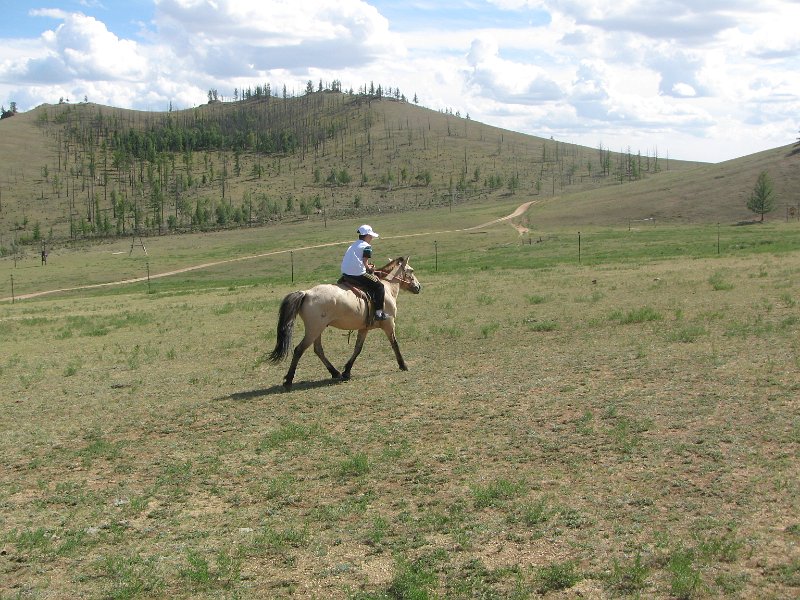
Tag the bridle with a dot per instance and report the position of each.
(394, 275)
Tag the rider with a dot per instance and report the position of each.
(356, 265)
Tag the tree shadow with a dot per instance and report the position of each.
(279, 389)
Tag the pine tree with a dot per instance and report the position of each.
(762, 199)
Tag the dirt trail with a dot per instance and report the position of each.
(518, 212)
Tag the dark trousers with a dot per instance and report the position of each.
(372, 285)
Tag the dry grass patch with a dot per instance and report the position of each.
(148, 451)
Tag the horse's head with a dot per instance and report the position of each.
(401, 271)
(414, 286)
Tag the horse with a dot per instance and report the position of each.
(338, 306)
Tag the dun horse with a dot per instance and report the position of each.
(338, 306)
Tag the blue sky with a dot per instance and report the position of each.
(695, 79)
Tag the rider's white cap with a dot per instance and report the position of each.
(367, 230)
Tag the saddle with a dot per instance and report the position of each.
(361, 294)
(355, 288)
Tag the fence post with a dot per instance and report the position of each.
(291, 258)
(436, 254)
(12, 288)
(579, 247)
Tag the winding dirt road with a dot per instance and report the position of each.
(518, 212)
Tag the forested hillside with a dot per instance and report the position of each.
(88, 171)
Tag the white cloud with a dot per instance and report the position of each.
(80, 48)
(508, 81)
(684, 90)
(678, 70)
(236, 37)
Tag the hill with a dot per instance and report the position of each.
(90, 171)
(710, 193)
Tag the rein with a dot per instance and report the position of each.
(393, 275)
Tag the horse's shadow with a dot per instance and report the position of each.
(279, 389)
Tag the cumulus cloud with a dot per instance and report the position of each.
(237, 37)
(568, 68)
(508, 81)
(680, 71)
(686, 20)
(81, 47)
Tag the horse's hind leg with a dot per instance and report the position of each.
(362, 335)
(320, 352)
(298, 352)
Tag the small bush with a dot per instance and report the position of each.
(686, 335)
(718, 283)
(787, 574)
(198, 571)
(290, 432)
(558, 576)
(685, 580)
(496, 492)
(354, 466)
(731, 584)
(639, 315)
(723, 547)
(536, 513)
(541, 326)
(413, 581)
(489, 330)
(629, 578)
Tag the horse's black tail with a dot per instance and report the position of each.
(288, 312)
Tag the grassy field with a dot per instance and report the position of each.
(623, 426)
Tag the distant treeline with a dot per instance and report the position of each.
(200, 135)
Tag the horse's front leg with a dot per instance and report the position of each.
(396, 347)
(319, 352)
(362, 335)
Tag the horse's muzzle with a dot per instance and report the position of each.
(417, 289)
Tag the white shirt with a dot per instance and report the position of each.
(353, 261)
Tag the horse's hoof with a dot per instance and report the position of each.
(345, 376)
(336, 375)
(287, 386)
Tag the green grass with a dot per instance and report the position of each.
(630, 576)
(497, 492)
(591, 439)
(636, 315)
(686, 334)
(718, 282)
(354, 466)
(129, 577)
(685, 578)
(557, 576)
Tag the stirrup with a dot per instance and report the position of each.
(380, 315)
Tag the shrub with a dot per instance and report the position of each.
(557, 576)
